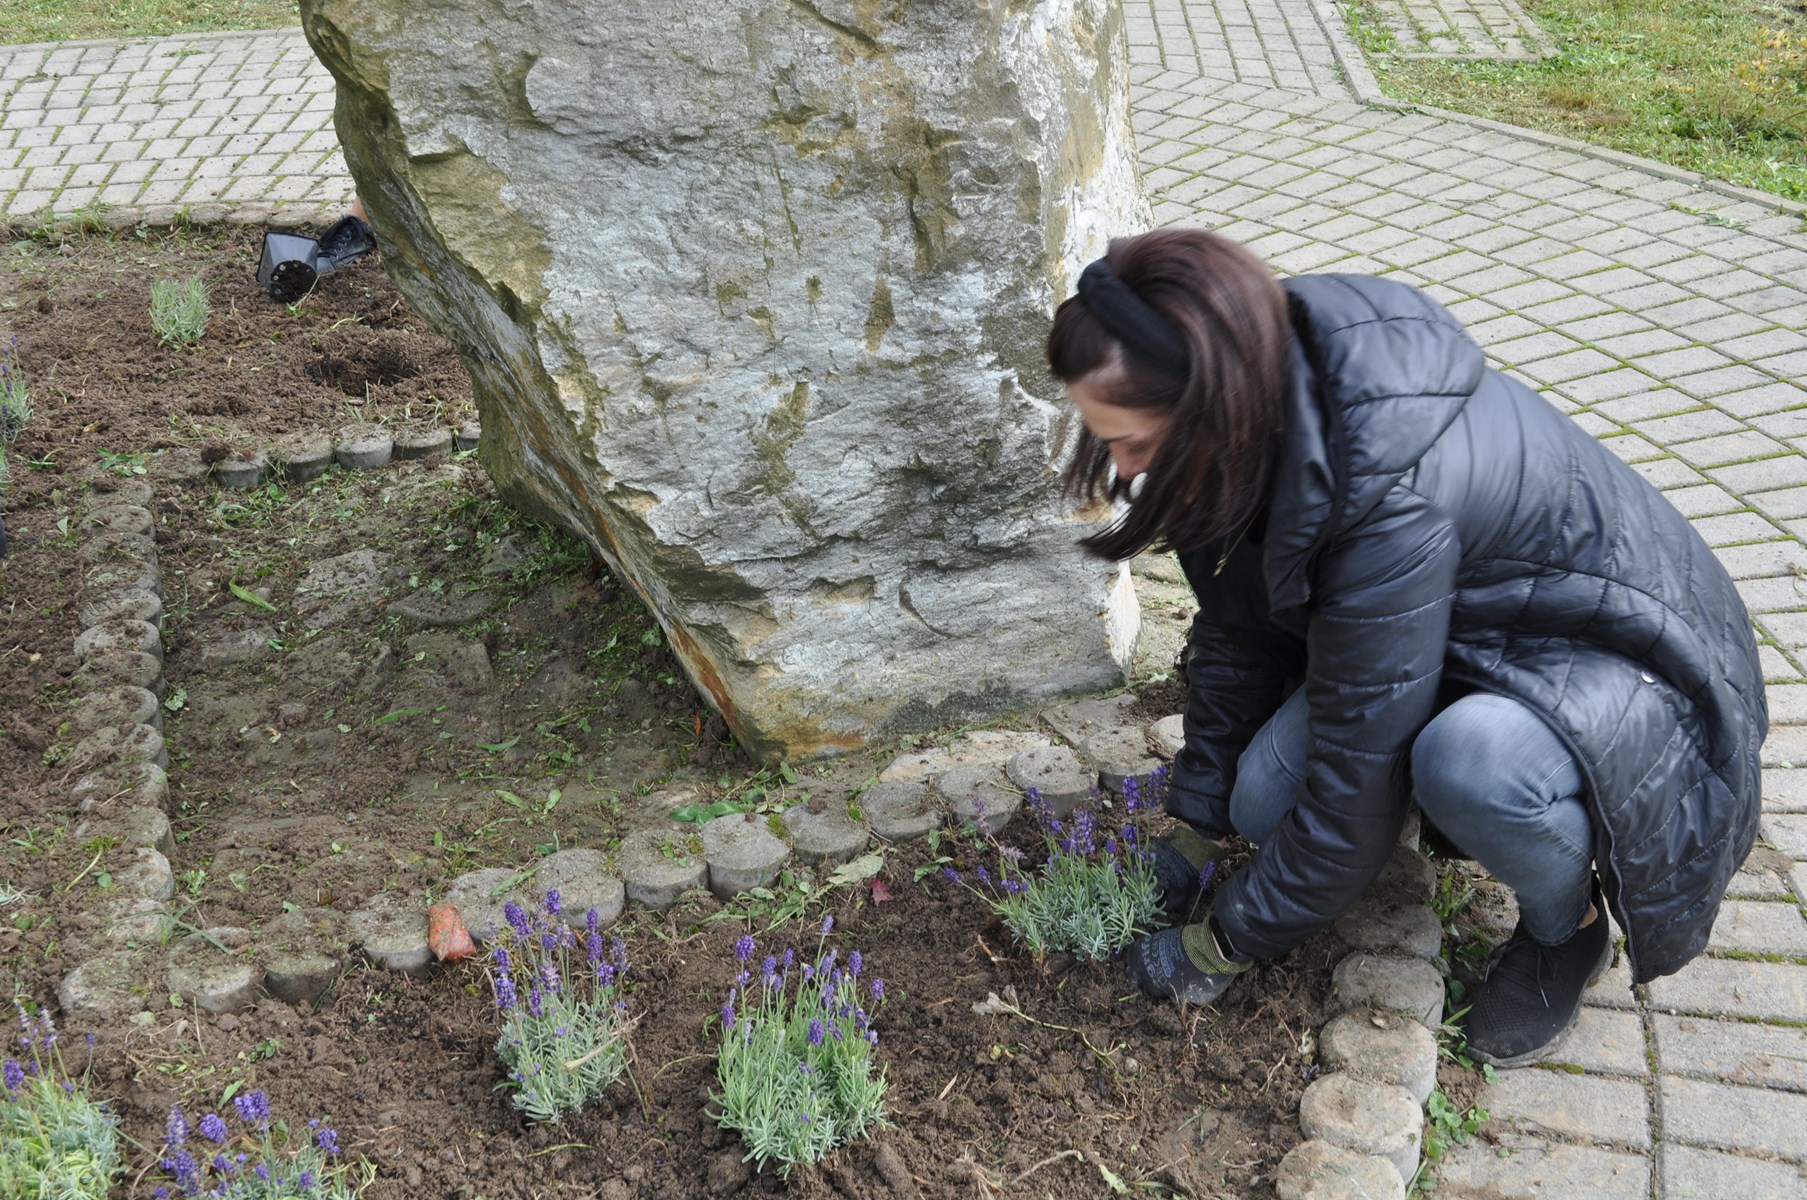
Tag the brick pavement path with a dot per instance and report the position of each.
(1663, 315)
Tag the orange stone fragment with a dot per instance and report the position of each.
(447, 937)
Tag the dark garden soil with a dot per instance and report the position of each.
(381, 680)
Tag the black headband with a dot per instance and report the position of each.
(1129, 319)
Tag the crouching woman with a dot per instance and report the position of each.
(1417, 581)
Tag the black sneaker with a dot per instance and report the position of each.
(1530, 996)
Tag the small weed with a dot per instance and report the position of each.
(179, 311)
(123, 462)
(15, 396)
(1448, 1126)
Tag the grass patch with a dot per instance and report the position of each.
(1714, 86)
(80, 20)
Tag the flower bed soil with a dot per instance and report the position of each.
(373, 751)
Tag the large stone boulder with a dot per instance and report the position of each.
(754, 294)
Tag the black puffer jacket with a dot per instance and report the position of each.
(1432, 520)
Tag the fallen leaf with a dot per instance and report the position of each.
(858, 871)
(447, 936)
(880, 893)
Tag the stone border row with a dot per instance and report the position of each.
(122, 794)
(301, 457)
(1363, 1119)
(981, 780)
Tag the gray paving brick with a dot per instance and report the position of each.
(1724, 1117)
(1735, 528)
(1573, 365)
(1685, 427)
(1761, 928)
(1764, 474)
(1781, 594)
(1764, 1056)
(1769, 398)
(1704, 500)
(1787, 832)
(1608, 1041)
(1668, 473)
(1786, 745)
(1735, 988)
(1643, 406)
(1522, 1167)
(1728, 448)
(1691, 1173)
(1568, 1105)
(1630, 448)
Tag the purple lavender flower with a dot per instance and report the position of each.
(854, 962)
(187, 1172)
(552, 902)
(1110, 847)
(503, 962)
(517, 920)
(952, 875)
(305, 1181)
(982, 875)
(262, 1172)
(592, 921)
(549, 941)
(222, 1165)
(593, 946)
(214, 1129)
(605, 974)
(253, 1108)
(728, 1015)
(327, 1139)
(1204, 875)
(175, 1130)
(162, 1193)
(1132, 794)
(536, 1001)
(827, 925)
(505, 993)
(744, 947)
(549, 976)
(789, 960)
(878, 991)
(815, 1033)
(872, 1037)
(13, 1074)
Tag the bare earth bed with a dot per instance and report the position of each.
(383, 679)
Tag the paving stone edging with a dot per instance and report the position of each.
(1363, 1118)
(1361, 79)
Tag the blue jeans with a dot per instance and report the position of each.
(1488, 773)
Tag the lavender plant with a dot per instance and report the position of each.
(1095, 890)
(15, 397)
(565, 1039)
(795, 1070)
(179, 311)
(55, 1143)
(249, 1158)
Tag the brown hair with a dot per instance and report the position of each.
(1211, 471)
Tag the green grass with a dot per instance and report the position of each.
(23, 21)
(1714, 86)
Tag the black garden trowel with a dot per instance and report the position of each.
(292, 262)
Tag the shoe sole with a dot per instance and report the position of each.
(1554, 1044)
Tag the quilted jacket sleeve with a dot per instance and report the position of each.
(1379, 628)
(1236, 677)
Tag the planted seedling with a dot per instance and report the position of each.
(179, 311)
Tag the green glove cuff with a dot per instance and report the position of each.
(1202, 952)
(1195, 847)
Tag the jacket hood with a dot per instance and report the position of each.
(1379, 372)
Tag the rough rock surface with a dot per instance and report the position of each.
(727, 273)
